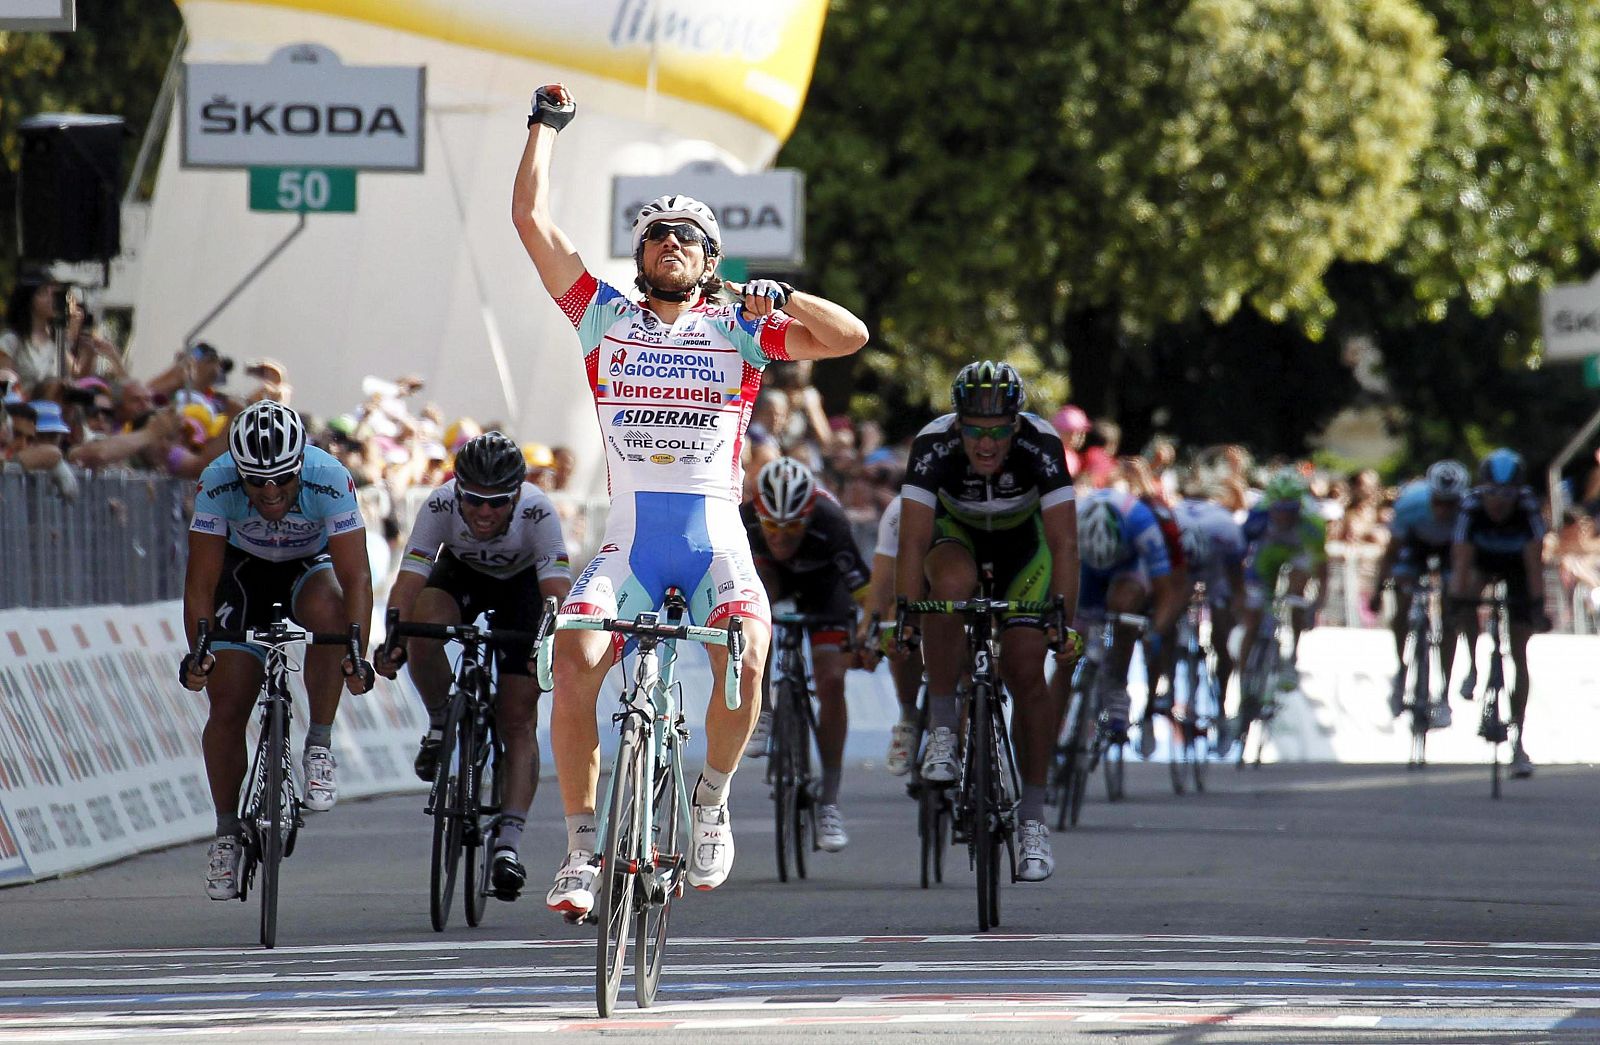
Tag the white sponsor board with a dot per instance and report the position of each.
(39, 16)
(100, 747)
(1570, 314)
(303, 107)
(761, 216)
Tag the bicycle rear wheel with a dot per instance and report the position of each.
(445, 806)
(275, 758)
(1178, 755)
(670, 860)
(619, 867)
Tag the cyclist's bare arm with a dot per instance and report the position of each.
(555, 588)
(821, 329)
(1061, 536)
(206, 551)
(552, 252)
(916, 537)
(349, 554)
(1533, 562)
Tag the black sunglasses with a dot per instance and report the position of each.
(256, 482)
(478, 500)
(688, 234)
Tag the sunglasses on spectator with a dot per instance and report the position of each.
(479, 500)
(257, 482)
(995, 432)
(688, 234)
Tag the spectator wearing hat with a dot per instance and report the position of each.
(29, 446)
(273, 378)
(1100, 453)
(196, 375)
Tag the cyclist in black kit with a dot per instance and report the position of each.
(1500, 536)
(804, 549)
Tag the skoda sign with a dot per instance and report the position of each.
(761, 216)
(303, 108)
(1571, 320)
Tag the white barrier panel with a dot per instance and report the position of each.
(1341, 711)
(100, 747)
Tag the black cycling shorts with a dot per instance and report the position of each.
(1511, 569)
(515, 603)
(1019, 557)
(250, 586)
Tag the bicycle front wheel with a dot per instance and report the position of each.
(785, 784)
(482, 806)
(620, 865)
(275, 759)
(982, 804)
(445, 806)
(669, 860)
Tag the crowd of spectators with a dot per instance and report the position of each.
(72, 406)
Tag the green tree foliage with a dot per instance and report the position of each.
(1509, 186)
(1023, 179)
(112, 64)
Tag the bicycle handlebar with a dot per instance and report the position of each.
(395, 628)
(732, 639)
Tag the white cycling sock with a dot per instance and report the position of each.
(712, 790)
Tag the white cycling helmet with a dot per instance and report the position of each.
(1448, 480)
(267, 441)
(1099, 535)
(677, 208)
(785, 490)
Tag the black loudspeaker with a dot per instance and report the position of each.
(68, 193)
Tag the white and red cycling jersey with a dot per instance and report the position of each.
(673, 400)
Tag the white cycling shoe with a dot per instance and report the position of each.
(222, 869)
(939, 757)
(756, 746)
(1521, 764)
(573, 891)
(902, 744)
(322, 781)
(1035, 862)
(831, 835)
(711, 847)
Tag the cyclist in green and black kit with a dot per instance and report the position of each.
(988, 484)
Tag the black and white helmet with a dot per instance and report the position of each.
(785, 490)
(677, 208)
(267, 441)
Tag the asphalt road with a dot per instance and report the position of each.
(1289, 903)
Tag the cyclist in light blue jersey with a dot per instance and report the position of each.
(275, 522)
(1422, 529)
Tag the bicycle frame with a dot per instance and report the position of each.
(1492, 727)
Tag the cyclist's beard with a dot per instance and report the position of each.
(679, 281)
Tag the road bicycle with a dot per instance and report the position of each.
(1089, 741)
(468, 776)
(794, 729)
(1422, 660)
(1196, 713)
(270, 805)
(1491, 726)
(1269, 665)
(642, 833)
(985, 798)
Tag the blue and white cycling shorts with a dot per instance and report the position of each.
(658, 540)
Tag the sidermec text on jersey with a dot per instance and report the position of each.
(668, 418)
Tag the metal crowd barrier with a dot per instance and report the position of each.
(122, 540)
